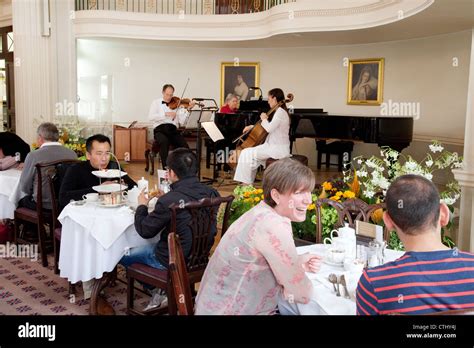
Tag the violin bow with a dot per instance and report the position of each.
(182, 94)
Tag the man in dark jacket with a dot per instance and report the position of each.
(185, 187)
(79, 180)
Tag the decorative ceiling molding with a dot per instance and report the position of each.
(295, 17)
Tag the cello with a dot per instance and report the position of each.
(256, 135)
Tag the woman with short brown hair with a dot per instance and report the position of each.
(256, 260)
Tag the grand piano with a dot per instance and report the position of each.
(396, 132)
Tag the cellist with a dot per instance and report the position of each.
(277, 142)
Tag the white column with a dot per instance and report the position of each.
(64, 48)
(465, 177)
(45, 66)
(32, 68)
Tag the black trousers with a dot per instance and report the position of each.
(165, 135)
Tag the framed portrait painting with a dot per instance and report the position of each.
(365, 81)
(237, 78)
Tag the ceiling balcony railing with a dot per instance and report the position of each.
(180, 7)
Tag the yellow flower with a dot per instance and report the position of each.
(247, 194)
(327, 186)
(263, 197)
(377, 216)
(349, 194)
(311, 206)
(257, 199)
(338, 194)
(259, 191)
(247, 200)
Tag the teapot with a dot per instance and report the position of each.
(133, 195)
(346, 232)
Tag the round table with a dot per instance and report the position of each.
(93, 240)
(10, 192)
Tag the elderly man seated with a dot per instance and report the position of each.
(429, 277)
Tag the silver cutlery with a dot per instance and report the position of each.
(342, 281)
(333, 279)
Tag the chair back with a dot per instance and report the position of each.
(348, 211)
(179, 276)
(54, 172)
(202, 223)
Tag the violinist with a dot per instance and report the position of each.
(165, 123)
(277, 142)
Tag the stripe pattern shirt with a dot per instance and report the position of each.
(418, 283)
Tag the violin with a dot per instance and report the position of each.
(176, 102)
(187, 103)
(257, 135)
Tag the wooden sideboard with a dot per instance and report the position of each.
(130, 143)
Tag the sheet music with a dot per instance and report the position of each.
(212, 130)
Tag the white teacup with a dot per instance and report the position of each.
(336, 255)
(91, 197)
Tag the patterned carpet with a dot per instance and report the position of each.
(26, 287)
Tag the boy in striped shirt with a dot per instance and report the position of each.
(429, 277)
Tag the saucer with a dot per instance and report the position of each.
(109, 188)
(331, 263)
(109, 173)
(103, 205)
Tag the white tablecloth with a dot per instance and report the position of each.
(324, 300)
(94, 239)
(10, 193)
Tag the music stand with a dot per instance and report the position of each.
(208, 111)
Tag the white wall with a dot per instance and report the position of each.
(419, 70)
(5, 13)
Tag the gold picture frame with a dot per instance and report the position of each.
(230, 82)
(361, 91)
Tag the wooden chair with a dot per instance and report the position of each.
(40, 216)
(54, 181)
(349, 212)
(153, 150)
(203, 217)
(179, 277)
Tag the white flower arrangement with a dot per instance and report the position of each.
(375, 174)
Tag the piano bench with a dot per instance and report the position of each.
(300, 158)
(338, 148)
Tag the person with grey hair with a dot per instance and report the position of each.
(50, 149)
(231, 104)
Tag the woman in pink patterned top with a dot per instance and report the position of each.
(256, 261)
